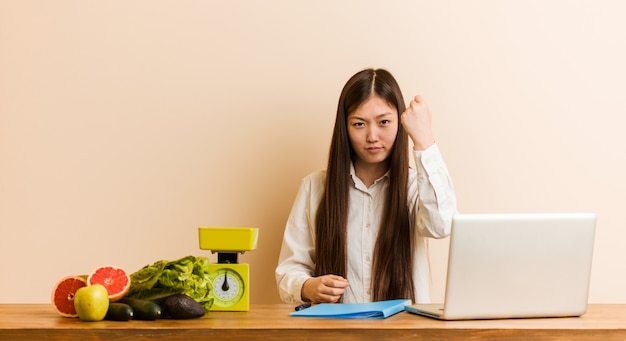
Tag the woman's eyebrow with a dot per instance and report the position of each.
(363, 119)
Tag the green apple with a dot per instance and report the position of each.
(91, 302)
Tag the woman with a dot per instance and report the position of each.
(357, 231)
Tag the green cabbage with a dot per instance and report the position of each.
(188, 275)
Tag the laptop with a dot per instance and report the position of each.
(516, 266)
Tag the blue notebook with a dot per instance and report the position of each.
(370, 310)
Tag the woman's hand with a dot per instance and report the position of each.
(416, 120)
(324, 289)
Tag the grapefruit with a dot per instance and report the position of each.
(113, 278)
(63, 295)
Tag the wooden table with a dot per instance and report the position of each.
(272, 322)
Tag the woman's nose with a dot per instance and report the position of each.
(372, 135)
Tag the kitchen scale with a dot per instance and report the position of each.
(231, 279)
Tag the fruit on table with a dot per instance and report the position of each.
(91, 302)
(115, 279)
(143, 309)
(106, 292)
(181, 306)
(63, 295)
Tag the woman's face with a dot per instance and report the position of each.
(372, 129)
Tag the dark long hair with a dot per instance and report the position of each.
(392, 268)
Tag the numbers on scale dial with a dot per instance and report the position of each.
(228, 287)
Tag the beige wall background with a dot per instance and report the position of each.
(125, 125)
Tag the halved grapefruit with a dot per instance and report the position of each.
(63, 295)
(114, 279)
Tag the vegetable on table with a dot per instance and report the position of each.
(188, 275)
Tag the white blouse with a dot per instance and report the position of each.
(432, 203)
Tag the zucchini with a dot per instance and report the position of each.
(119, 312)
(142, 309)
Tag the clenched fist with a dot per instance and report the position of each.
(416, 120)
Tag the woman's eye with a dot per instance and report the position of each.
(384, 122)
(358, 124)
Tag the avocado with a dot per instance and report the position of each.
(181, 306)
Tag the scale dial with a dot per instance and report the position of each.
(228, 287)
